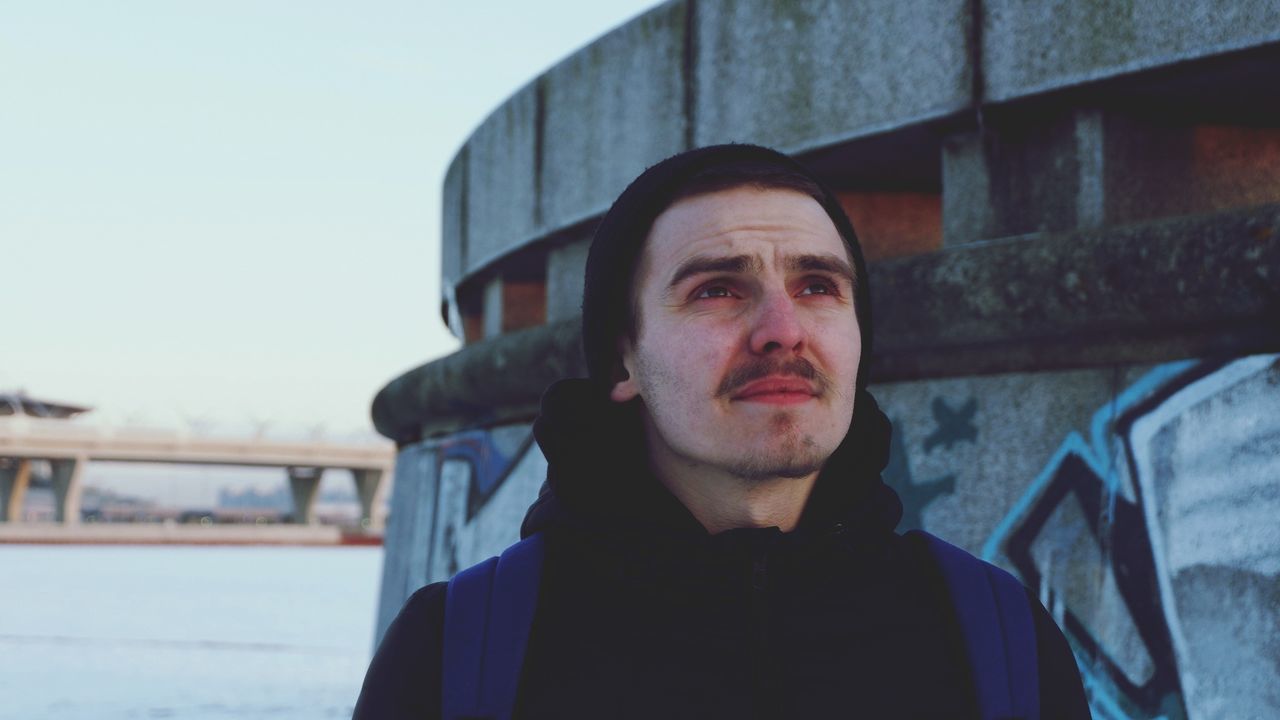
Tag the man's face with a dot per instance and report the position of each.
(746, 356)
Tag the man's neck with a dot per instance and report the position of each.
(723, 502)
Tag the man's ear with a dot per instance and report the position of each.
(624, 387)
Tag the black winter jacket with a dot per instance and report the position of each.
(642, 614)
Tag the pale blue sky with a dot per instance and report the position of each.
(224, 213)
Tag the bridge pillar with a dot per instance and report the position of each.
(66, 489)
(369, 490)
(15, 475)
(304, 484)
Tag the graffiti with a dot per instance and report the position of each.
(1155, 545)
(485, 481)
(953, 425)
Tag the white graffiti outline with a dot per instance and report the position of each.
(1096, 454)
(1141, 433)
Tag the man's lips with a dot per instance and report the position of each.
(776, 390)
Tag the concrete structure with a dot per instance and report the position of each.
(1072, 212)
(68, 448)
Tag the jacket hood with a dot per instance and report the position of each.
(598, 472)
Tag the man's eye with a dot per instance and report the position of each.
(713, 291)
(818, 288)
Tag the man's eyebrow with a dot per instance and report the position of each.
(702, 265)
(822, 263)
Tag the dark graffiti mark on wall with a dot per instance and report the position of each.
(952, 426)
(1155, 545)
(487, 463)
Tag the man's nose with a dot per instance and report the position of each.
(776, 326)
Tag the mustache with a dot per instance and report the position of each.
(757, 368)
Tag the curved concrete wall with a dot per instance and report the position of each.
(562, 148)
(1072, 211)
(799, 76)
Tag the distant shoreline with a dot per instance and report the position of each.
(179, 534)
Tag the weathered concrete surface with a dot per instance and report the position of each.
(1053, 168)
(1190, 286)
(493, 307)
(460, 498)
(799, 75)
(1016, 177)
(1032, 47)
(453, 221)
(501, 180)
(501, 379)
(566, 268)
(407, 540)
(612, 109)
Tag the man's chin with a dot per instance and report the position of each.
(796, 457)
(765, 470)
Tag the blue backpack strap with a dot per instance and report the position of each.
(999, 632)
(488, 612)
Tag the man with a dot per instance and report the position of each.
(718, 541)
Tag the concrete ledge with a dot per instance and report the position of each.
(495, 381)
(1187, 287)
(1194, 286)
(1034, 47)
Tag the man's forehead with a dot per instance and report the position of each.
(743, 229)
(767, 225)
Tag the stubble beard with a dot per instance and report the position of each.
(795, 455)
(788, 452)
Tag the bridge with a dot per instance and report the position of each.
(69, 447)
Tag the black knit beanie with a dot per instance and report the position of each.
(619, 240)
